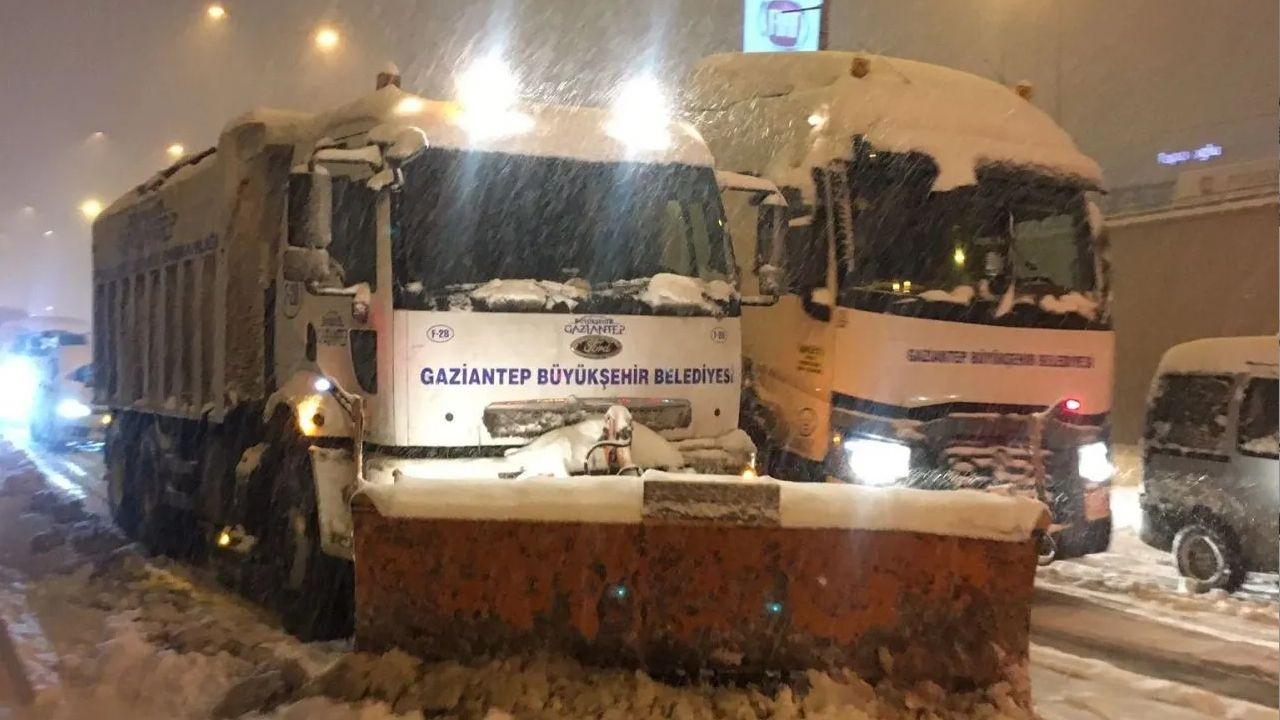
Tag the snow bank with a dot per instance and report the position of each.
(548, 687)
(599, 499)
(614, 499)
(961, 513)
(1222, 355)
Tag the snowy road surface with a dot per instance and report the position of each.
(126, 637)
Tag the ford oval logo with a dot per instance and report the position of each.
(596, 347)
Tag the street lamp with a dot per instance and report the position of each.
(216, 12)
(326, 39)
(176, 150)
(91, 208)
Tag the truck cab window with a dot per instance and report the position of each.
(354, 246)
(1189, 413)
(1260, 418)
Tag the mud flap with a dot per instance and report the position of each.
(700, 578)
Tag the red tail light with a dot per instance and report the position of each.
(1072, 405)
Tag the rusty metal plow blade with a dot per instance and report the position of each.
(693, 576)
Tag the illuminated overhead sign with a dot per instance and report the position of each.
(780, 25)
(1200, 154)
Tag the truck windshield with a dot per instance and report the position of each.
(465, 218)
(1005, 251)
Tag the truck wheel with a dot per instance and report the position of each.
(1208, 556)
(158, 526)
(313, 591)
(121, 498)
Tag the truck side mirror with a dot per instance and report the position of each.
(306, 265)
(310, 210)
(771, 226)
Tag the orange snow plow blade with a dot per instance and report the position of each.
(686, 577)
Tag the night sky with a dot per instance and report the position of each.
(1137, 77)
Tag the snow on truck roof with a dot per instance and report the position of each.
(963, 121)
(533, 129)
(1256, 354)
(528, 129)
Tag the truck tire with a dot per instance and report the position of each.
(158, 524)
(1208, 556)
(121, 496)
(313, 592)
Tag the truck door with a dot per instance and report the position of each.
(790, 344)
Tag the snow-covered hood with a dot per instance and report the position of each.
(805, 103)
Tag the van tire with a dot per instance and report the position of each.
(1208, 556)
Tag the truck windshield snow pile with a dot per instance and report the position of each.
(943, 280)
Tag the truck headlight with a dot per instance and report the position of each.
(72, 409)
(877, 462)
(1092, 463)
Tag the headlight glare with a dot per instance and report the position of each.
(72, 409)
(1093, 464)
(877, 462)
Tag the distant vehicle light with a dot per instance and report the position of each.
(1093, 465)
(72, 409)
(18, 380)
(877, 462)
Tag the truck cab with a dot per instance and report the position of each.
(401, 291)
(481, 290)
(943, 280)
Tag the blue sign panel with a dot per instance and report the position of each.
(780, 25)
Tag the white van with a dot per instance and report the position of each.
(1210, 465)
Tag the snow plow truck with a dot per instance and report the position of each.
(463, 377)
(943, 315)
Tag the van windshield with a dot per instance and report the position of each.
(466, 218)
(1189, 413)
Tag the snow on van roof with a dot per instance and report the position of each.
(1256, 354)
(963, 121)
